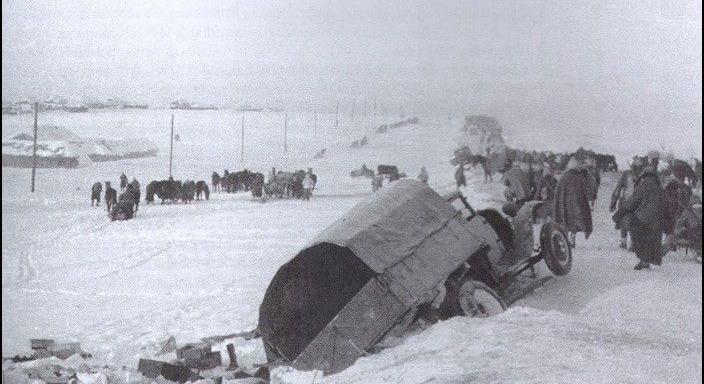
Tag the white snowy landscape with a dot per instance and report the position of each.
(265, 84)
(201, 269)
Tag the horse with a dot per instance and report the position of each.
(202, 189)
(166, 190)
(95, 193)
(188, 191)
(256, 184)
(215, 181)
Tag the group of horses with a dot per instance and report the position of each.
(558, 161)
(287, 184)
(389, 171)
(232, 182)
(283, 184)
(175, 190)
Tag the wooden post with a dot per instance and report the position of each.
(242, 144)
(171, 150)
(285, 132)
(34, 150)
(337, 114)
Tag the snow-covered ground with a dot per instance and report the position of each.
(201, 269)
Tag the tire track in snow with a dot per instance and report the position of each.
(150, 256)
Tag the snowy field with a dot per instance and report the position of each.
(198, 270)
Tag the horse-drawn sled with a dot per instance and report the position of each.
(290, 184)
(404, 258)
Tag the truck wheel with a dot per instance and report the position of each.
(555, 248)
(475, 299)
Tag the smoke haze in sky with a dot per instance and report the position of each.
(590, 61)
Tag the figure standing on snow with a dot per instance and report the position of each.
(594, 179)
(308, 185)
(488, 172)
(647, 210)
(110, 196)
(95, 194)
(622, 192)
(124, 209)
(133, 188)
(517, 184)
(677, 194)
(423, 176)
(215, 181)
(688, 227)
(571, 205)
(123, 181)
(459, 177)
(535, 175)
(545, 190)
(377, 182)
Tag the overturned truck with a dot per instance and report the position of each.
(405, 254)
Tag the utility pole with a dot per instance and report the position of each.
(285, 132)
(171, 150)
(337, 114)
(34, 151)
(242, 144)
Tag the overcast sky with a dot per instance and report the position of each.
(602, 58)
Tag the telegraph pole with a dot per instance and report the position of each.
(34, 150)
(337, 114)
(242, 144)
(171, 150)
(285, 132)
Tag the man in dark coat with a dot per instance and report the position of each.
(123, 181)
(110, 196)
(95, 194)
(124, 209)
(518, 183)
(647, 209)
(571, 205)
(622, 191)
(535, 176)
(545, 190)
(594, 179)
(133, 188)
(459, 177)
(150, 191)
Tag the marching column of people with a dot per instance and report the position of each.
(647, 204)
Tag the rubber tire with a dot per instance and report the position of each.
(548, 232)
(469, 288)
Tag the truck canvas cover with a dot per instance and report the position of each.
(339, 296)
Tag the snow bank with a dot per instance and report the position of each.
(44, 148)
(527, 346)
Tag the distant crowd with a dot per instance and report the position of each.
(650, 199)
